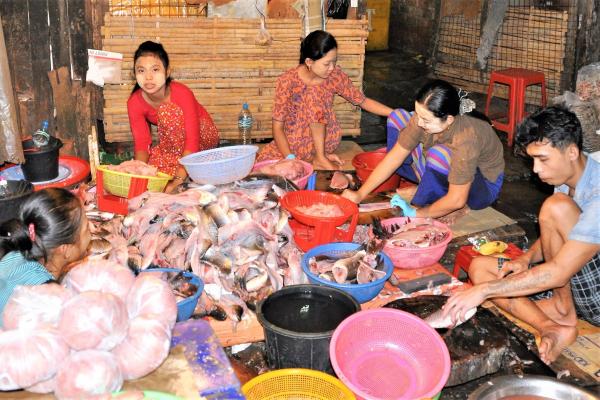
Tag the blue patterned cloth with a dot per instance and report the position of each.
(15, 270)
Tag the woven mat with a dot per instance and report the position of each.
(472, 222)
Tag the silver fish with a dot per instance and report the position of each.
(345, 269)
(436, 320)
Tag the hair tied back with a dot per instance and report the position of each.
(466, 105)
(31, 229)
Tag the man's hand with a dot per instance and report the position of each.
(407, 209)
(459, 303)
(513, 266)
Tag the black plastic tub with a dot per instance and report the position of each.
(11, 198)
(41, 163)
(299, 321)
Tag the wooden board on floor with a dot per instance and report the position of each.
(250, 330)
(346, 151)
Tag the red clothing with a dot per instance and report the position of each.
(185, 122)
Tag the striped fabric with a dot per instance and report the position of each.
(398, 119)
(438, 158)
(15, 270)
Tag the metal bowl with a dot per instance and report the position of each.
(504, 387)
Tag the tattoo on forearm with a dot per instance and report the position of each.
(525, 281)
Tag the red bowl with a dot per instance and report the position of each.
(365, 163)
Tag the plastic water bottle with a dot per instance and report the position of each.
(41, 137)
(245, 125)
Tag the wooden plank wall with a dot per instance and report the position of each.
(530, 38)
(220, 61)
(35, 47)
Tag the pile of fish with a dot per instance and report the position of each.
(134, 167)
(289, 169)
(415, 233)
(352, 267)
(341, 181)
(235, 237)
(321, 210)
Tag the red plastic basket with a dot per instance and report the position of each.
(116, 204)
(365, 163)
(389, 354)
(311, 231)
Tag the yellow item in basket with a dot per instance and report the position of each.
(490, 248)
(117, 183)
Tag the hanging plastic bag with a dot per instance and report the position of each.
(104, 67)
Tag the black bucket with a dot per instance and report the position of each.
(299, 321)
(41, 163)
(11, 198)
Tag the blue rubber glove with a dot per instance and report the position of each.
(291, 156)
(407, 209)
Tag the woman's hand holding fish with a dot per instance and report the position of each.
(407, 209)
(459, 303)
(513, 266)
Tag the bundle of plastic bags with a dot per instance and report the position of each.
(83, 338)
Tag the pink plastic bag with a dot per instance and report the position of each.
(28, 357)
(152, 297)
(31, 307)
(101, 275)
(146, 347)
(94, 320)
(88, 373)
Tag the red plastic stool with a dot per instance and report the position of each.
(466, 254)
(517, 79)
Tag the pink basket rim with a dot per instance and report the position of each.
(308, 168)
(398, 315)
(402, 220)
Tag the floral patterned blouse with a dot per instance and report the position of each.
(298, 105)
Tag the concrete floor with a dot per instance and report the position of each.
(393, 79)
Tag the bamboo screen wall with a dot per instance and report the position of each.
(537, 38)
(220, 61)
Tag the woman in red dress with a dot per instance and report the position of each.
(184, 126)
(304, 124)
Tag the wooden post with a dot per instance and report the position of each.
(72, 103)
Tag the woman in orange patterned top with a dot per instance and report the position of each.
(304, 124)
(184, 126)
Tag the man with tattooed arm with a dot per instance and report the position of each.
(561, 271)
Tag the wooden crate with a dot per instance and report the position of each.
(220, 61)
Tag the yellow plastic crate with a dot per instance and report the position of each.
(117, 183)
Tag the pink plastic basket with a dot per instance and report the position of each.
(389, 354)
(410, 257)
(300, 182)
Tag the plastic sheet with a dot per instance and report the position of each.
(213, 373)
(10, 138)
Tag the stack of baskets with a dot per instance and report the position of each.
(121, 186)
(310, 231)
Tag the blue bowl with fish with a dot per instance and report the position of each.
(349, 263)
(185, 307)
